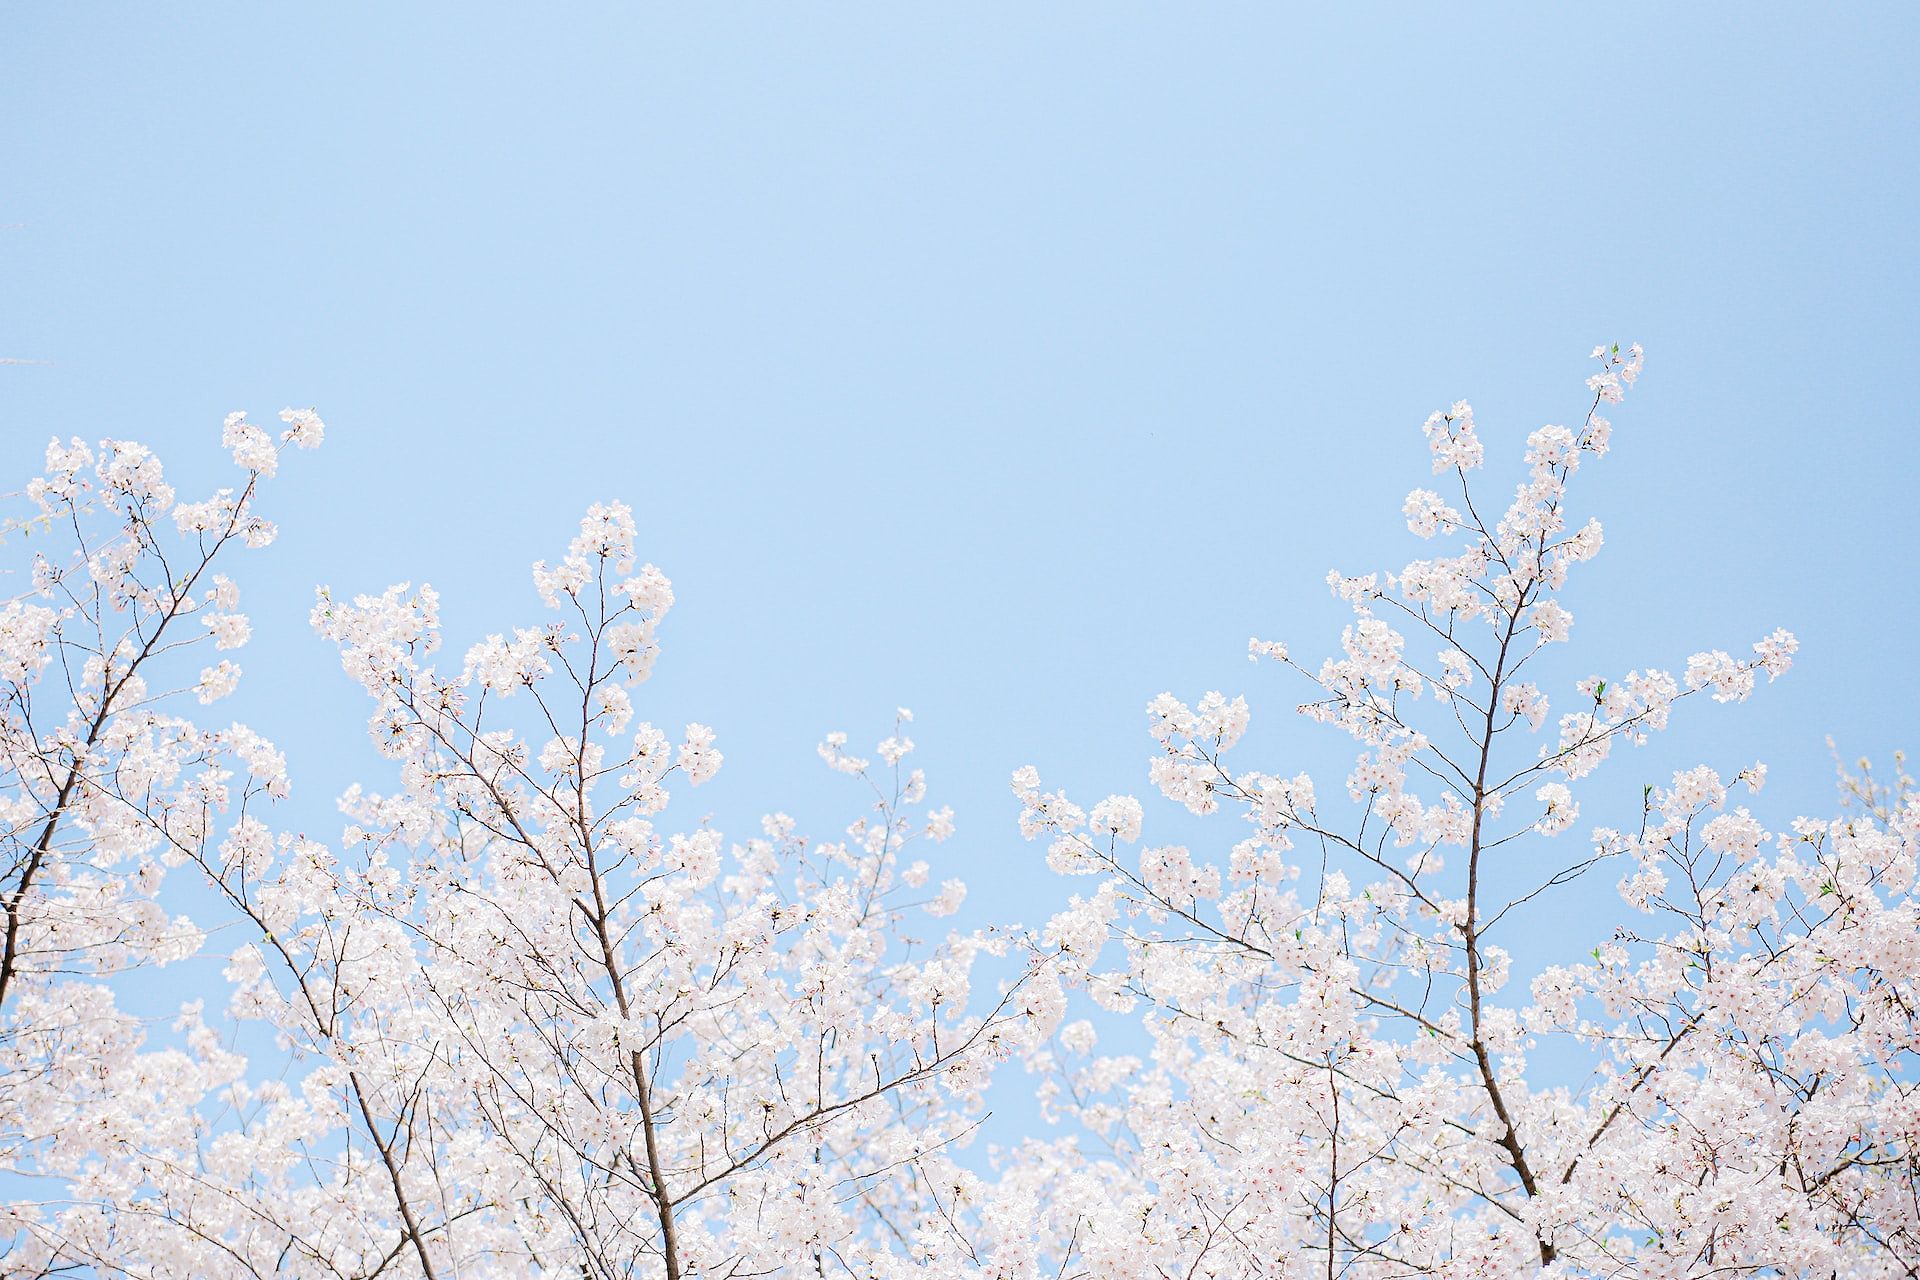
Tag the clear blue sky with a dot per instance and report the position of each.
(1013, 363)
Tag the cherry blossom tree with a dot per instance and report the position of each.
(1333, 1077)
(521, 1029)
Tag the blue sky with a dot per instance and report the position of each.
(1011, 363)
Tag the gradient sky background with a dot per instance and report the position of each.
(1009, 363)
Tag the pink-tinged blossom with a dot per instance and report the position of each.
(699, 759)
(218, 681)
(230, 630)
(1730, 680)
(1451, 437)
(1525, 702)
(1737, 833)
(1776, 653)
(1552, 621)
(833, 751)
(1558, 808)
(252, 448)
(1272, 650)
(26, 632)
(1428, 514)
(129, 471)
(952, 894)
(1117, 816)
(304, 428)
